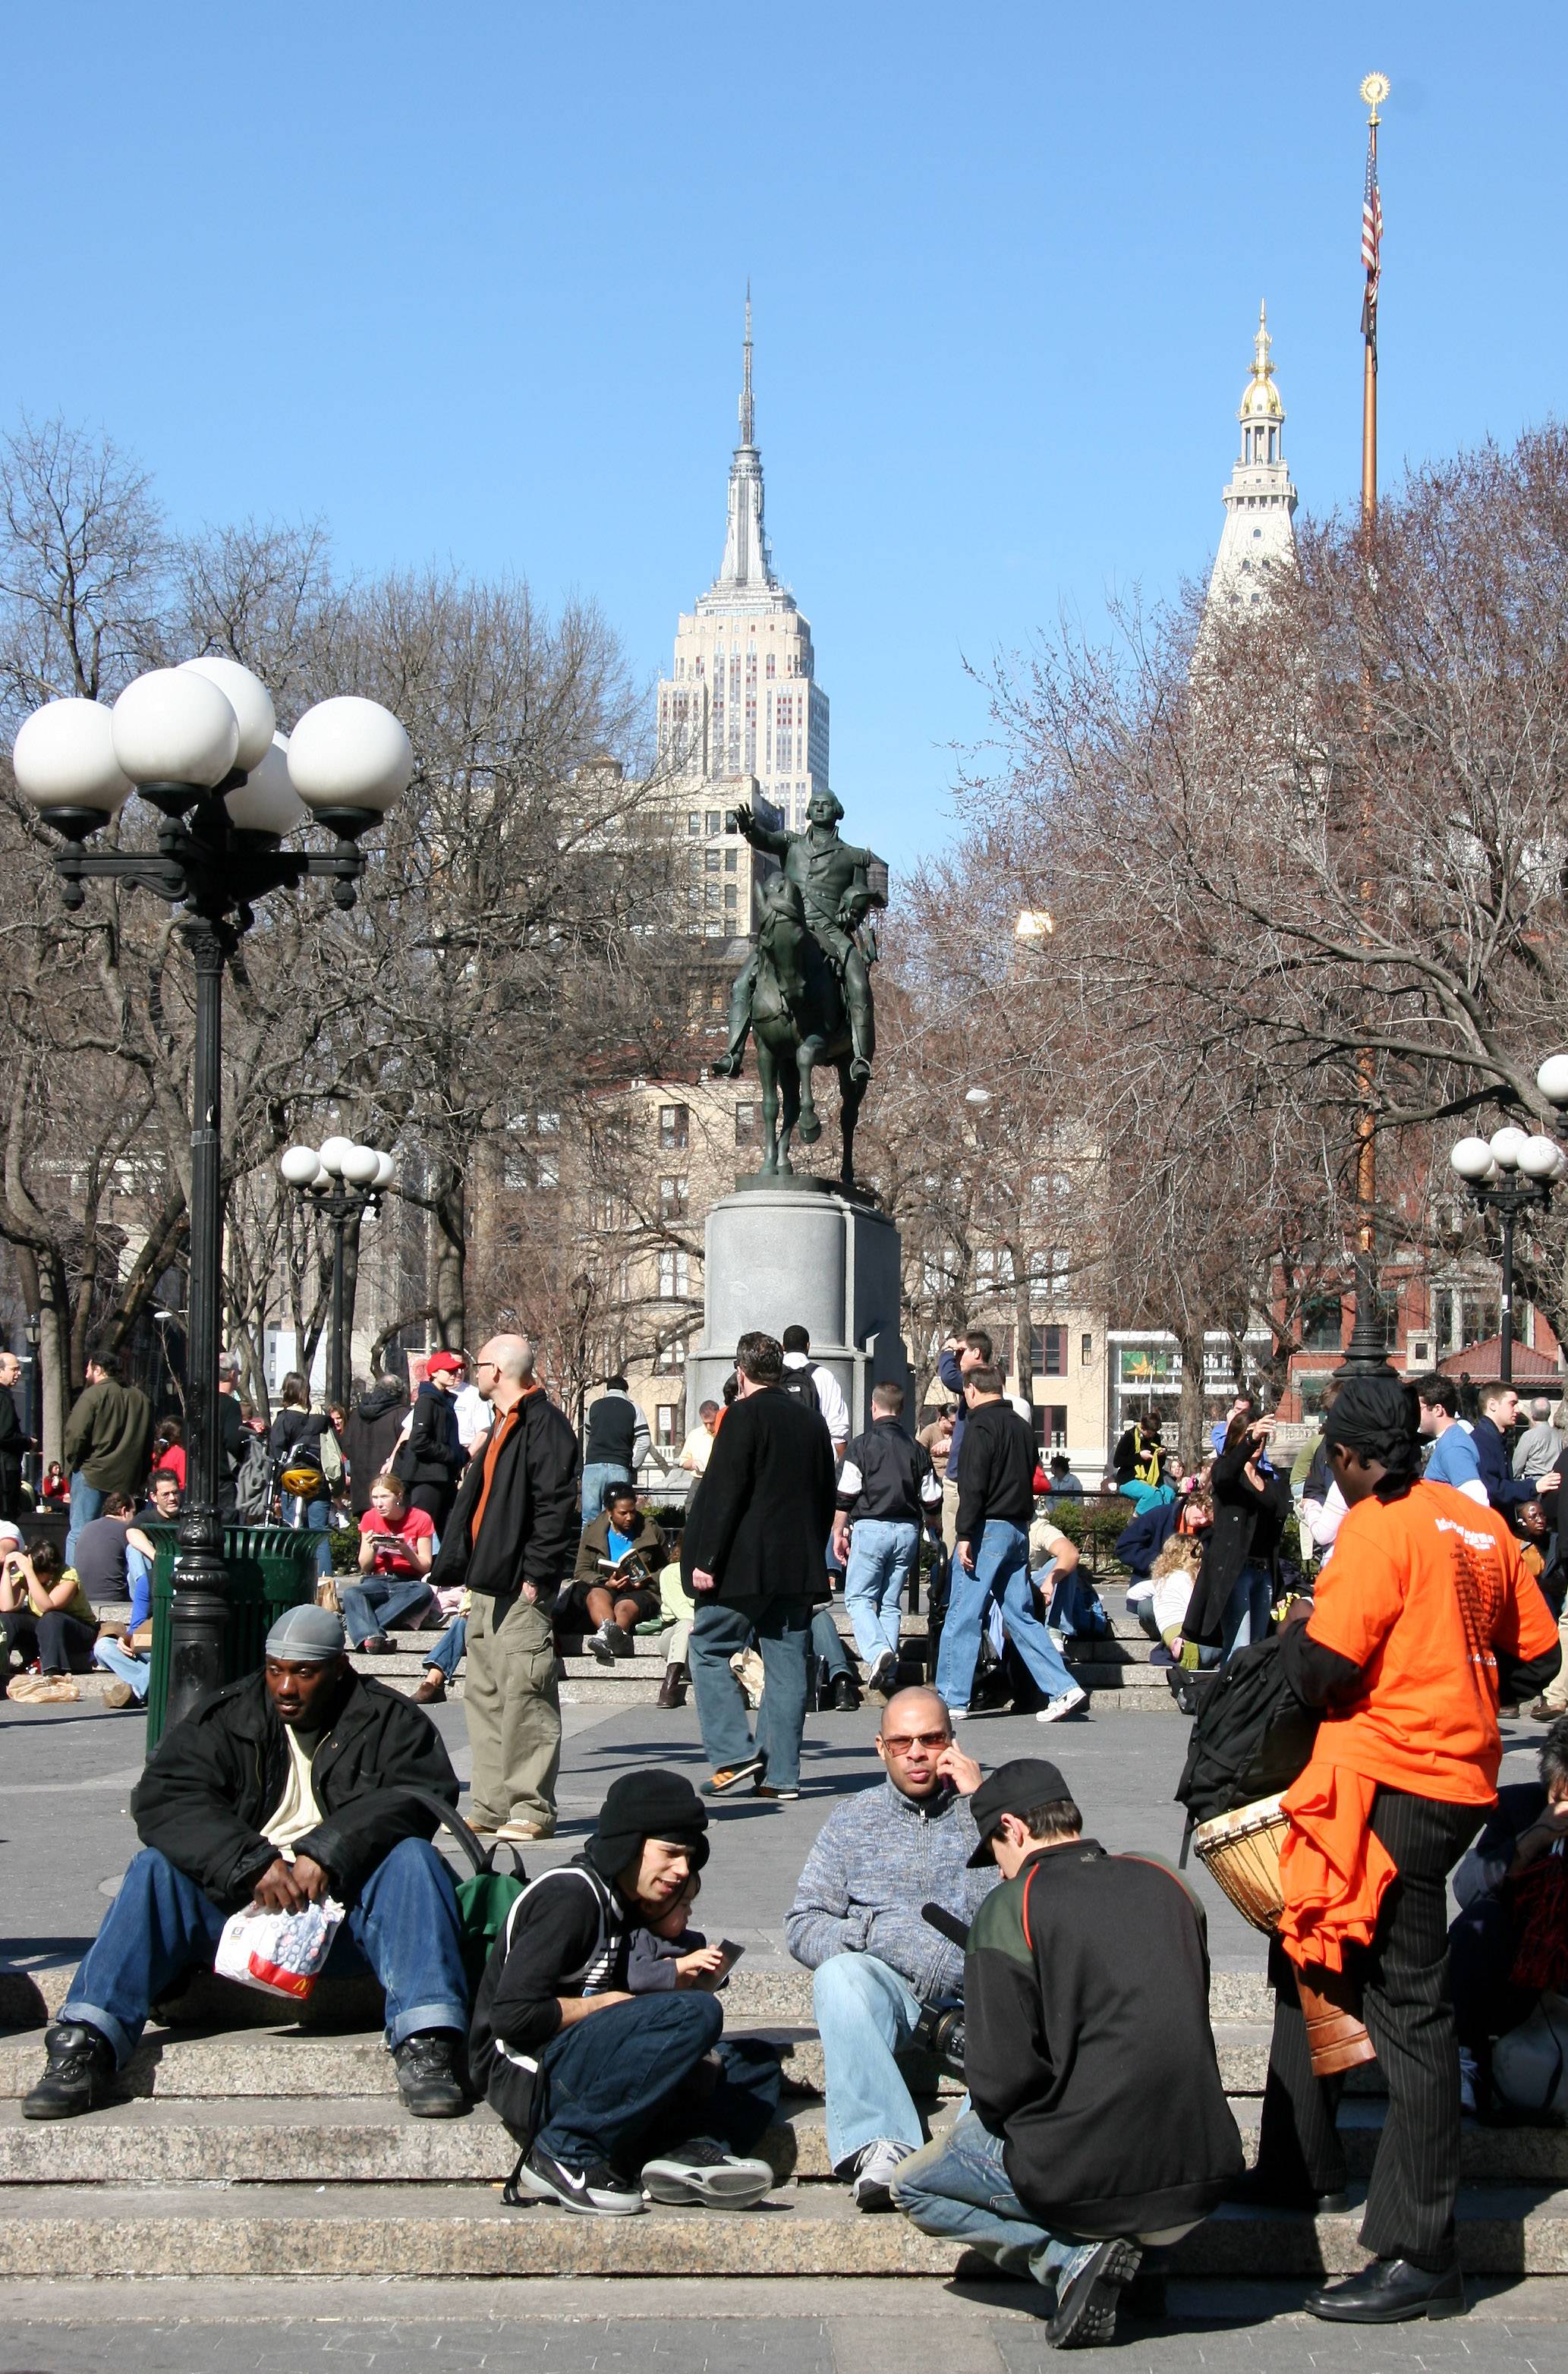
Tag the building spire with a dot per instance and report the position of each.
(1259, 500)
(748, 421)
(1262, 369)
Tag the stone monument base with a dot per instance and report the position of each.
(802, 1252)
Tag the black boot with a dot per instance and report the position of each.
(843, 1698)
(1388, 2292)
(76, 2075)
(672, 1690)
(428, 2074)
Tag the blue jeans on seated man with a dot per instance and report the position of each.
(1001, 1568)
(403, 1925)
(782, 1629)
(125, 1664)
(882, 1553)
(647, 2076)
(379, 1604)
(959, 2189)
(1072, 1604)
(447, 1655)
(866, 2013)
(826, 1648)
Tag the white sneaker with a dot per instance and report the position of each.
(871, 2188)
(1068, 1703)
(884, 1672)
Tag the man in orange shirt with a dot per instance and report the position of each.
(1423, 1615)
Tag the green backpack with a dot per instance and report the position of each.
(486, 1897)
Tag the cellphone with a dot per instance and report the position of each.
(731, 1953)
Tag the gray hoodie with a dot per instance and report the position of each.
(879, 1857)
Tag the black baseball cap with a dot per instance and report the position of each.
(1015, 1788)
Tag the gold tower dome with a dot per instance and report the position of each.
(1260, 399)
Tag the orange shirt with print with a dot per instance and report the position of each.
(1421, 1592)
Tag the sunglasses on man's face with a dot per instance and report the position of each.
(902, 1744)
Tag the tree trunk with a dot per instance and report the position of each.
(450, 1210)
(1189, 1424)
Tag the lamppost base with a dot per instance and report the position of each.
(1366, 1354)
(198, 1631)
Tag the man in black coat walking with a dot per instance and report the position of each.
(280, 1791)
(753, 1558)
(13, 1442)
(370, 1436)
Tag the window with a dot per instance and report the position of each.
(694, 824)
(1050, 1427)
(732, 897)
(525, 1168)
(671, 1356)
(711, 861)
(1321, 1322)
(1086, 1350)
(674, 1279)
(666, 1431)
(715, 821)
(732, 861)
(1048, 1351)
(747, 1120)
(672, 1199)
(674, 1122)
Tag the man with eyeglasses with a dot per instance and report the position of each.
(856, 1923)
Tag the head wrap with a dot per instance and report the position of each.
(1379, 1418)
(640, 1805)
(306, 1636)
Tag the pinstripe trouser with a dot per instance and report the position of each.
(1406, 2004)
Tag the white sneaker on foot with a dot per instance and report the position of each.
(871, 2187)
(1068, 1703)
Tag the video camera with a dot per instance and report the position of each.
(940, 2027)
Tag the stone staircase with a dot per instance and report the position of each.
(244, 2147)
(1117, 1673)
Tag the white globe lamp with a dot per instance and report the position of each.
(386, 1171)
(1471, 1158)
(174, 729)
(66, 766)
(361, 1165)
(1540, 1157)
(333, 1152)
(350, 760)
(1552, 1079)
(250, 701)
(266, 800)
(1507, 1144)
(299, 1166)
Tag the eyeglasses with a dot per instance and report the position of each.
(917, 1739)
(486, 1364)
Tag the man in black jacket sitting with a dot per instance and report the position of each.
(1099, 2121)
(612, 2094)
(279, 1791)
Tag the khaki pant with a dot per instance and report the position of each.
(950, 1513)
(513, 1701)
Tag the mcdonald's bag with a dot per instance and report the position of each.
(278, 1953)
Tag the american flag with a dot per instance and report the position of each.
(1372, 246)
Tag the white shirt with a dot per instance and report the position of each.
(296, 1813)
(474, 1414)
(830, 1397)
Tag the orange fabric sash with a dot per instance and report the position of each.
(1333, 1872)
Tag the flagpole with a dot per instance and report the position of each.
(1366, 1353)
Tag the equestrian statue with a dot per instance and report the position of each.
(805, 994)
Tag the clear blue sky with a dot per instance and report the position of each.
(465, 281)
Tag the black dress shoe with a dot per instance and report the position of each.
(844, 1698)
(1388, 2292)
(428, 2076)
(77, 2075)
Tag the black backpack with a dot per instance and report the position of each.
(1252, 1738)
(802, 1385)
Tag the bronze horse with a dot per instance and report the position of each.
(799, 1020)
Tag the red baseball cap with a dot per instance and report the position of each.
(444, 1364)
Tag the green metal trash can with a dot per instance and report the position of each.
(270, 1567)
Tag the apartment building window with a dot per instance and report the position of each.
(673, 1276)
(715, 821)
(672, 1199)
(670, 1357)
(732, 898)
(674, 1123)
(1086, 1350)
(732, 861)
(748, 1118)
(694, 825)
(1048, 1351)
(711, 861)
(666, 1427)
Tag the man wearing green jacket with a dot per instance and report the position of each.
(108, 1436)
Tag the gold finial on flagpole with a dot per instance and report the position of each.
(1375, 90)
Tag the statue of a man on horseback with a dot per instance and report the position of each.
(806, 991)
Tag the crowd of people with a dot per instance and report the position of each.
(965, 1912)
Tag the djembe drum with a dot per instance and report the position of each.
(1240, 1851)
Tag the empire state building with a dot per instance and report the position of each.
(741, 698)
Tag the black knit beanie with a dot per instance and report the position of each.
(1379, 1418)
(652, 1805)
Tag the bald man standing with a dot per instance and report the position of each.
(511, 1538)
(856, 1923)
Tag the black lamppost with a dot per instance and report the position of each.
(198, 743)
(343, 1181)
(1509, 1173)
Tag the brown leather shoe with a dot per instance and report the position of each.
(433, 1689)
(672, 1690)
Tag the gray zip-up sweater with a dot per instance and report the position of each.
(879, 1857)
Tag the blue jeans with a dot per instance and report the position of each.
(594, 1478)
(1001, 1567)
(621, 2083)
(1245, 1619)
(447, 1655)
(138, 1575)
(866, 2013)
(125, 1664)
(1073, 1605)
(403, 1925)
(783, 1629)
(379, 1605)
(87, 1502)
(832, 1656)
(957, 2188)
(311, 1517)
(882, 1553)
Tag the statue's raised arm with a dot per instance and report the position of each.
(749, 824)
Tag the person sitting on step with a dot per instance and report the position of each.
(397, 1544)
(279, 1791)
(614, 1585)
(613, 2094)
(1097, 2121)
(856, 1923)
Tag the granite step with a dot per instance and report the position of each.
(53, 2231)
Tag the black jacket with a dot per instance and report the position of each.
(881, 1474)
(13, 1442)
(434, 1453)
(530, 1528)
(759, 1521)
(296, 1434)
(1089, 2047)
(215, 1778)
(1246, 1530)
(566, 1934)
(995, 1472)
(370, 1437)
